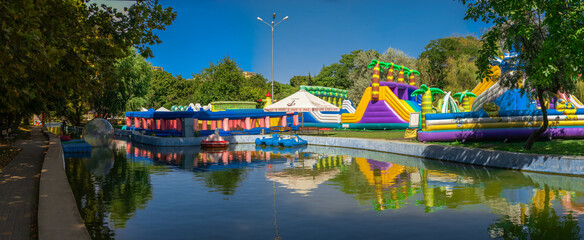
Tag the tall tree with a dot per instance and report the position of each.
(361, 75)
(441, 58)
(53, 53)
(549, 36)
(298, 81)
(253, 88)
(283, 90)
(460, 73)
(130, 78)
(399, 58)
(336, 75)
(162, 86)
(221, 81)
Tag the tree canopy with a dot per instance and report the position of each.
(56, 55)
(130, 79)
(448, 63)
(337, 74)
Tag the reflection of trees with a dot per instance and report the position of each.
(224, 181)
(542, 223)
(113, 198)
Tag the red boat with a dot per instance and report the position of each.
(214, 141)
(214, 144)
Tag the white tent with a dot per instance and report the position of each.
(162, 109)
(301, 101)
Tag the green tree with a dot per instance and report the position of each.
(130, 79)
(336, 75)
(549, 36)
(53, 54)
(460, 73)
(224, 181)
(162, 86)
(579, 93)
(298, 81)
(442, 57)
(361, 75)
(398, 57)
(135, 103)
(221, 81)
(283, 90)
(254, 88)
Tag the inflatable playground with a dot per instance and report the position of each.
(489, 111)
(497, 112)
(384, 105)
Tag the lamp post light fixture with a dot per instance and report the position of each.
(272, 26)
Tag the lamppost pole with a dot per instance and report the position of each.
(272, 26)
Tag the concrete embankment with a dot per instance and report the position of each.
(480, 157)
(58, 215)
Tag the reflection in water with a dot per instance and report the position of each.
(100, 162)
(526, 205)
(108, 197)
(307, 172)
(539, 220)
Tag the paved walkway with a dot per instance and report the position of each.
(19, 188)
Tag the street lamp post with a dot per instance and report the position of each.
(272, 26)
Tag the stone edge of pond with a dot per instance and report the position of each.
(58, 215)
(556, 164)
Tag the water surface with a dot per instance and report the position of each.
(143, 192)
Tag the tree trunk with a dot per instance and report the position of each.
(543, 128)
(78, 113)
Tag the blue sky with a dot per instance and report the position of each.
(317, 32)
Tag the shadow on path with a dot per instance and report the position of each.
(19, 188)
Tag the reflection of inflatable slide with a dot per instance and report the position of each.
(388, 172)
(391, 182)
(391, 110)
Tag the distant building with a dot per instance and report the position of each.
(157, 68)
(248, 74)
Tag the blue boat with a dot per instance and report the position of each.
(273, 141)
(76, 146)
(290, 141)
(283, 141)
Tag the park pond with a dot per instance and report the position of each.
(133, 191)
